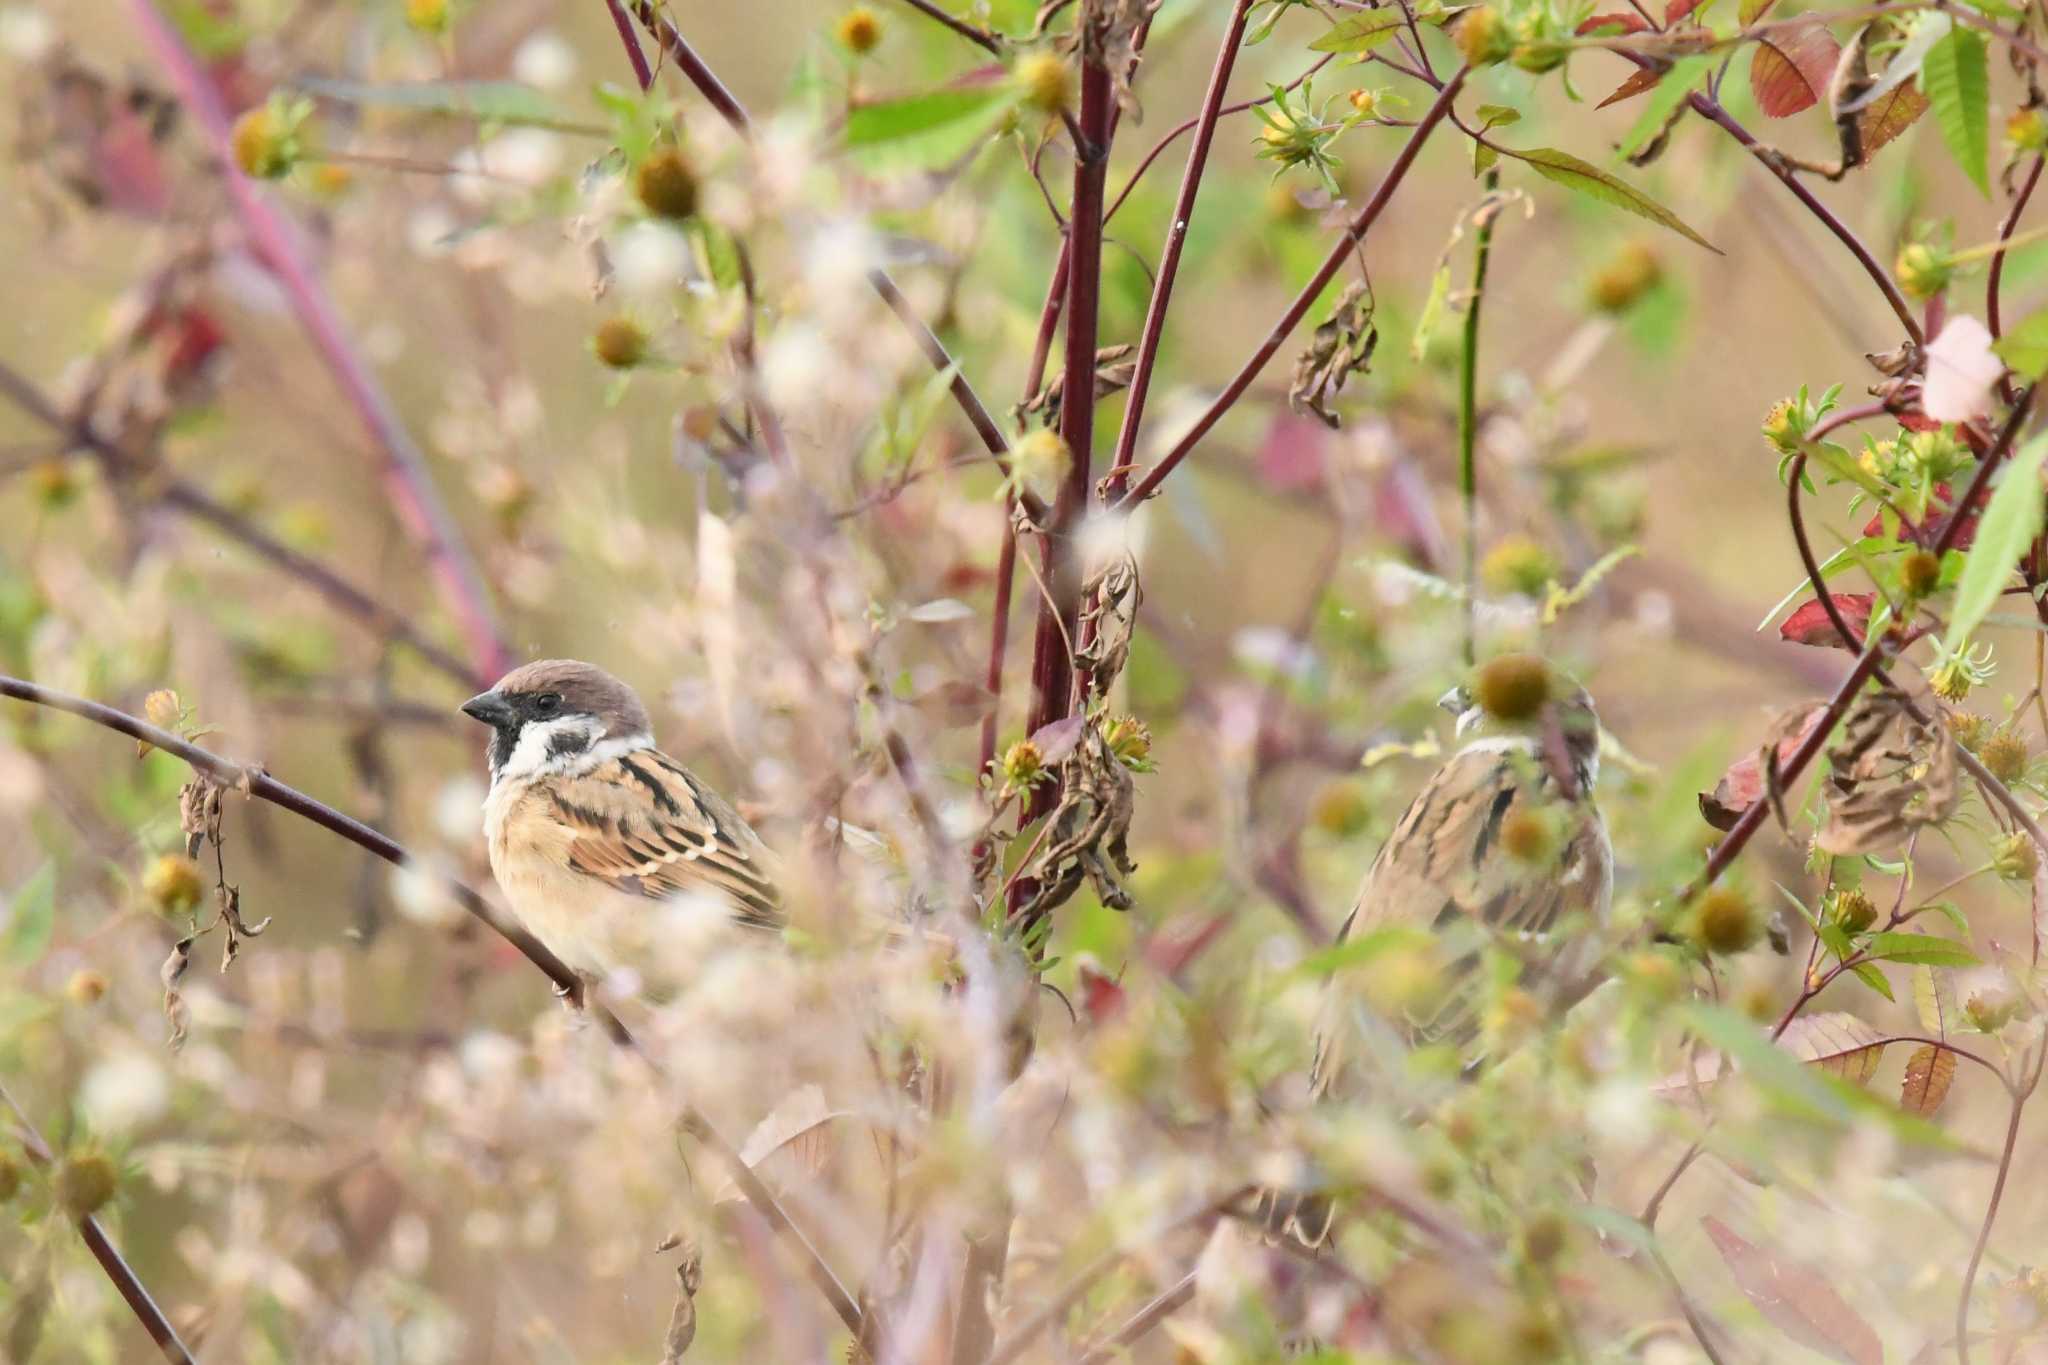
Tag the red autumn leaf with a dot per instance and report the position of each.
(1929, 529)
(1612, 24)
(1891, 114)
(1675, 10)
(1792, 68)
(1102, 995)
(1809, 625)
(1636, 84)
(1742, 786)
(1929, 1073)
(1797, 1299)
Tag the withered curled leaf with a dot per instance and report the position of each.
(1891, 776)
(199, 812)
(682, 1319)
(1342, 345)
(175, 1009)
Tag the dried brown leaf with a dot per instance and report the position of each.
(1929, 1073)
(1341, 347)
(1838, 1043)
(682, 1320)
(175, 1009)
(1748, 779)
(1791, 68)
(1891, 776)
(1889, 115)
(1797, 1299)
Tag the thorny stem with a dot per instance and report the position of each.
(733, 112)
(1303, 301)
(195, 503)
(1468, 415)
(2012, 1136)
(260, 784)
(133, 1292)
(1169, 256)
(277, 244)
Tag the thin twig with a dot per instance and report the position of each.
(1169, 255)
(1997, 274)
(132, 1290)
(2012, 1137)
(1143, 1321)
(260, 784)
(1334, 262)
(276, 241)
(979, 36)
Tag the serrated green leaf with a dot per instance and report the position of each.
(1956, 78)
(1360, 33)
(485, 101)
(1665, 96)
(2010, 523)
(2025, 347)
(1590, 180)
(31, 916)
(1924, 949)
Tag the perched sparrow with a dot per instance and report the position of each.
(1503, 843)
(590, 826)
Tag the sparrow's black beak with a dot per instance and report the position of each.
(490, 708)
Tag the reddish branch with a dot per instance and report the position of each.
(276, 241)
(1303, 301)
(1169, 256)
(260, 784)
(133, 1292)
(979, 36)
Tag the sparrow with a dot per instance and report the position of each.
(591, 827)
(1503, 843)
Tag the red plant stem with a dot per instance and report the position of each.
(1169, 256)
(641, 71)
(733, 112)
(1710, 109)
(1991, 283)
(1052, 674)
(1303, 301)
(1867, 665)
(978, 36)
(276, 241)
(195, 503)
(133, 1292)
(260, 784)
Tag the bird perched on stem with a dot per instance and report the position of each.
(591, 826)
(1502, 846)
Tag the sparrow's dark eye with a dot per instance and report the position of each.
(547, 704)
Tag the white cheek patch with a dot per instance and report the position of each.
(535, 750)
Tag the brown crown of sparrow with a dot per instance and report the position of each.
(1452, 865)
(588, 821)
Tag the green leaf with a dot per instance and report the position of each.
(30, 918)
(891, 120)
(1490, 116)
(1870, 976)
(1587, 179)
(1934, 1001)
(484, 101)
(2025, 347)
(1365, 948)
(1360, 33)
(2010, 523)
(1921, 949)
(1956, 79)
(1432, 311)
(1666, 96)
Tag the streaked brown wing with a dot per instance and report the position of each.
(1443, 862)
(644, 824)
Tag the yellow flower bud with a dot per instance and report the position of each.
(85, 1181)
(1518, 564)
(173, 884)
(1725, 922)
(619, 343)
(860, 30)
(2005, 755)
(665, 184)
(1512, 686)
(1047, 81)
(1922, 270)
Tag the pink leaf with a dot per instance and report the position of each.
(1928, 529)
(1675, 10)
(1797, 1299)
(1056, 739)
(1102, 995)
(1809, 625)
(1612, 24)
(1294, 455)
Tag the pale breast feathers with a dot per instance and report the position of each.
(641, 824)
